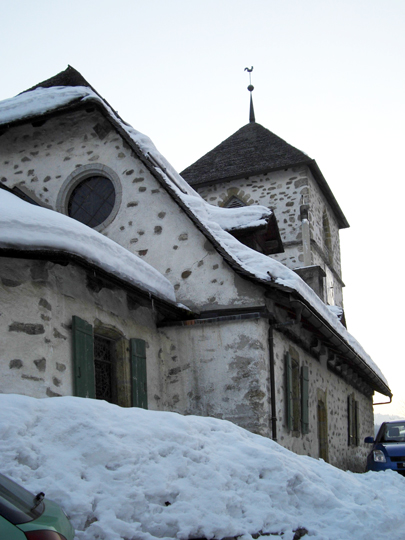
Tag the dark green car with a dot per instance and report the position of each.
(24, 516)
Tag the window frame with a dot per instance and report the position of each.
(129, 364)
(297, 395)
(81, 174)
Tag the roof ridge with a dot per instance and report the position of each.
(68, 77)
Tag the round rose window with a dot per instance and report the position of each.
(92, 201)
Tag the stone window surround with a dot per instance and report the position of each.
(80, 174)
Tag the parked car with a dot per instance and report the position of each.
(388, 450)
(24, 516)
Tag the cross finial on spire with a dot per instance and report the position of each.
(251, 88)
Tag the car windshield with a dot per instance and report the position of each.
(394, 432)
(16, 503)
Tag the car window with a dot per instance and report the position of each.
(17, 504)
(394, 432)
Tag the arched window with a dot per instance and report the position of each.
(327, 237)
(234, 202)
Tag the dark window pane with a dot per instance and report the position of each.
(103, 357)
(92, 201)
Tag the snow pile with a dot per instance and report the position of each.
(135, 474)
(25, 226)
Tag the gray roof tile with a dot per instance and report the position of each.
(253, 149)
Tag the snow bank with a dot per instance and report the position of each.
(135, 474)
(25, 226)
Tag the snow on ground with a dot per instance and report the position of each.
(146, 475)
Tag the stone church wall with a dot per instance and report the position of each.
(285, 192)
(221, 370)
(43, 160)
(38, 300)
(323, 384)
(282, 191)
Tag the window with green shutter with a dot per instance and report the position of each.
(138, 373)
(83, 358)
(103, 369)
(305, 399)
(288, 392)
(353, 421)
(296, 395)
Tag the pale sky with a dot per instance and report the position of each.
(329, 78)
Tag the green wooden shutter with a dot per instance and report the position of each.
(83, 358)
(289, 391)
(357, 423)
(304, 399)
(138, 367)
(350, 418)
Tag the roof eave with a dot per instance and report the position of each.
(164, 305)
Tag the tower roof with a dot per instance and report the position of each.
(254, 150)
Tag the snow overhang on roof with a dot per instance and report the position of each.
(213, 222)
(33, 230)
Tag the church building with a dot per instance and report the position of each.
(217, 292)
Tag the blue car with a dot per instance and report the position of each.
(388, 450)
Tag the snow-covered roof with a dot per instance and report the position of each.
(213, 221)
(24, 226)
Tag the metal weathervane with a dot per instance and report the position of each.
(251, 88)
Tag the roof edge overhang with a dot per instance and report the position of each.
(164, 306)
(332, 336)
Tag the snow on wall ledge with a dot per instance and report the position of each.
(215, 220)
(28, 227)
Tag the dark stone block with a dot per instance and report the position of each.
(45, 304)
(26, 328)
(41, 364)
(15, 364)
(10, 282)
(51, 393)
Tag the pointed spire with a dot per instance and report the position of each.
(251, 88)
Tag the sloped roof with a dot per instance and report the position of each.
(263, 270)
(69, 77)
(251, 151)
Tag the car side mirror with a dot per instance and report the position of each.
(369, 440)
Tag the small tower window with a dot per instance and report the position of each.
(234, 202)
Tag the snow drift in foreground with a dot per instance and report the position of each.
(145, 475)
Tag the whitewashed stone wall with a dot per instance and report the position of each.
(221, 370)
(336, 390)
(38, 300)
(148, 222)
